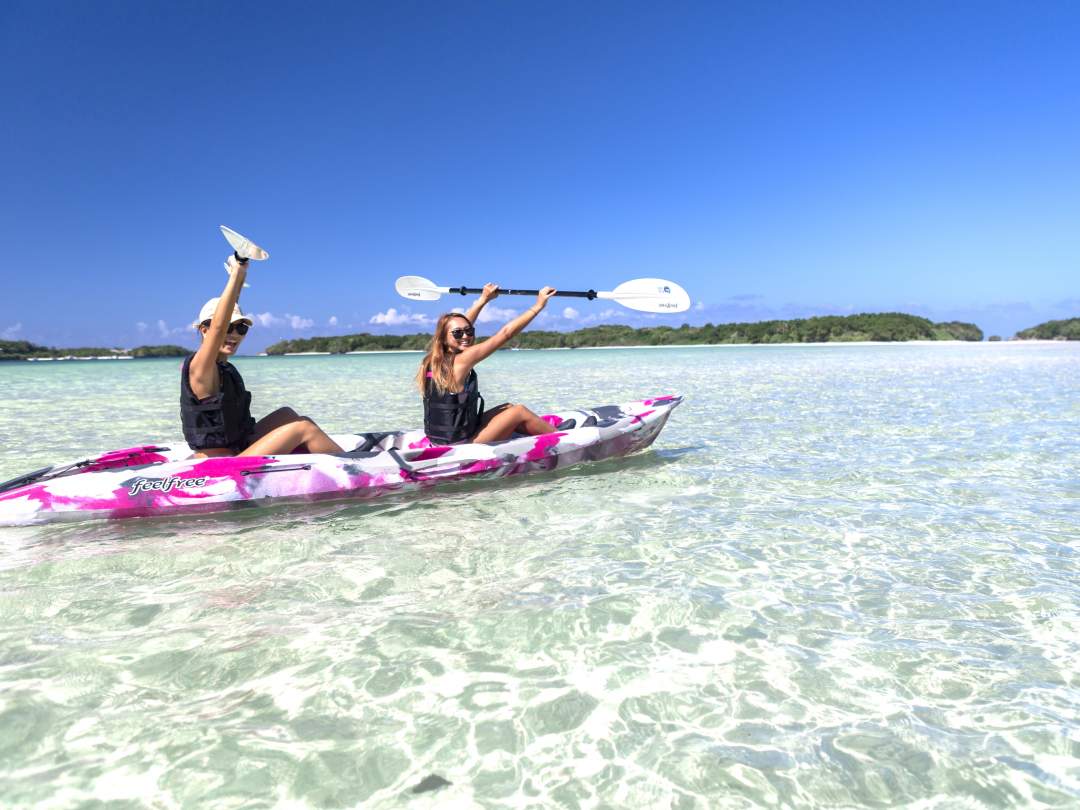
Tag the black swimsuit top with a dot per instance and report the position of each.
(221, 420)
(450, 417)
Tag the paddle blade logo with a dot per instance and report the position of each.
(165, 484)
(671, 298)
(416, 288)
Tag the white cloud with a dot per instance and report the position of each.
(489, 313)
(699, 306)
(141, 326)
(333, 320)
(570, 314)
(269, 319)
(11, 331)
(394, 318)
(164, 330)
(605, 315)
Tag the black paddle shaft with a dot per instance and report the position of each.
(590, 294)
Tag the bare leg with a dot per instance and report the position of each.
(285, 431)
(501, 422)
(275, 419)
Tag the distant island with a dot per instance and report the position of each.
(1052, 330)
(25, 350)
(887, 326)
(875, 327)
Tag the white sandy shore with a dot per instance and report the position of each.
(370, 351)
(829, 343)
(73, 357)
(620, 348)
(833, 343)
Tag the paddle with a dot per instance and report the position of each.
(643, 294)
(117, 458)
(243, 248)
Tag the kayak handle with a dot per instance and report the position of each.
(271, 468)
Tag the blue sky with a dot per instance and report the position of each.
(778, 159)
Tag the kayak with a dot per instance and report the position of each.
(151, 480)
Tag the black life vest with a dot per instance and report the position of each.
(450, 418)
(222, 420)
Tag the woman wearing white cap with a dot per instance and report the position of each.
(215, 407)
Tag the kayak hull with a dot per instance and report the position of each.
(150, 481)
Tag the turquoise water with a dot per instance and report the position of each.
(843, 576)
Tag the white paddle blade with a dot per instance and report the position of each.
(417, 288)
(244, 247)
(650, 295)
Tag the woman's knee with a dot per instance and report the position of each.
(283, 415)
(309, 427)
(288, 416)
(522, 412)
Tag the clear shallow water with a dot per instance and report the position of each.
(844, 576)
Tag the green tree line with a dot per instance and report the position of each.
(888, 326)
(1053, 330)
(25, 350)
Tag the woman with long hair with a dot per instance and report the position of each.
(215, 407)
(453, 408)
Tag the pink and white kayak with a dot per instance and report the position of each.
(153, 480)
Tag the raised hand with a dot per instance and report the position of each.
(544, 297)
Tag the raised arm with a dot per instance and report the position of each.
(491, 292)
(202, 373)
(474, 354)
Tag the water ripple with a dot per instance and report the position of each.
(845, 576)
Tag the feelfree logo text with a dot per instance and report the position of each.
(167, 484)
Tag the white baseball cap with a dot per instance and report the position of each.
(207, 313)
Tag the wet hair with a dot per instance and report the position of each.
(438, 362)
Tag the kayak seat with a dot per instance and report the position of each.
(571, 424)
(609, 412)
(370, 440)
(358, 454)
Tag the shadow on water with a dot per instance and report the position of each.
(239, 522)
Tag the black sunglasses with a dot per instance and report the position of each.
(239, 327)
(459, 333)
